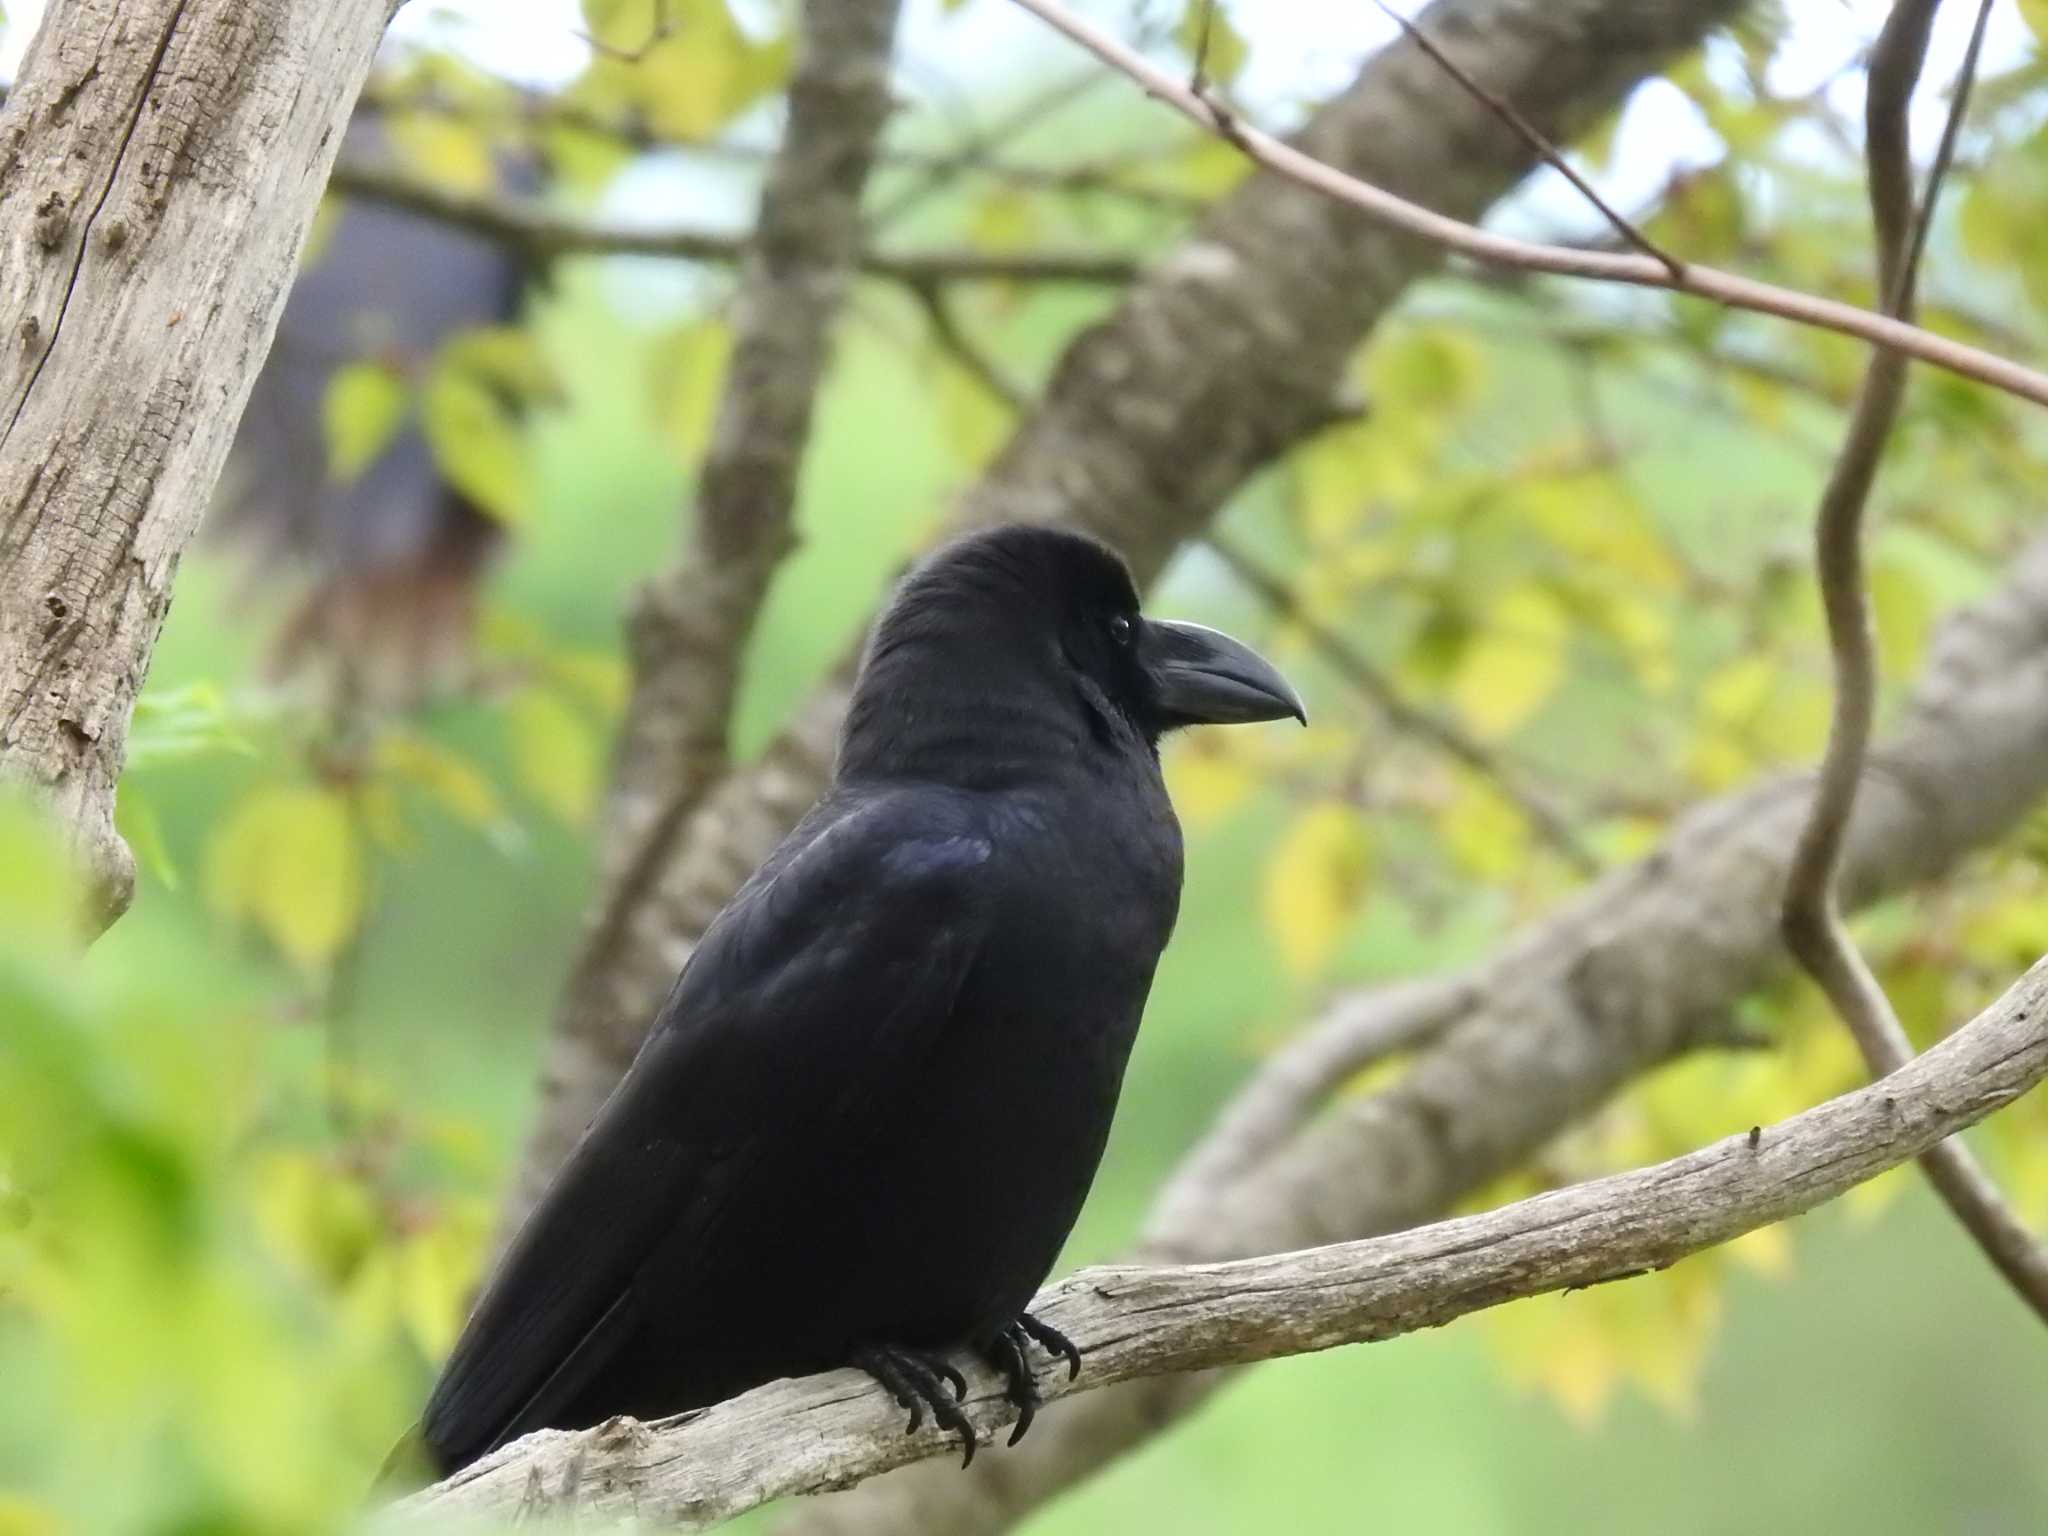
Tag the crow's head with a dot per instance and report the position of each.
(1025, 637)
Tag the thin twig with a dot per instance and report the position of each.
(1812, 921)
(663, 27)
(1397, 710)
(533, 227)
(1505, 250)
(1530, 135)
(972, 359)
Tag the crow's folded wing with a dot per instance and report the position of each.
(837, 965)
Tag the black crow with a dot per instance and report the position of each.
(865, 1120)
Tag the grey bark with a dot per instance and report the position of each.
(1134, 1322)
(160, 164)
(1223, 356)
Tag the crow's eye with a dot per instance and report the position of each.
(1120, 630)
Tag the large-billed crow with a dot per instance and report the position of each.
(866, 1118)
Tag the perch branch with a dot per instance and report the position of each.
(830, 1431)
(1814, 930)
(1635, 270)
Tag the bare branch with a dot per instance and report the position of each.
(1549, 153)
(1814, 930)
(690, 628)
(1564, 261)
(539, 230)
(1402, 714)
(1135, 1322)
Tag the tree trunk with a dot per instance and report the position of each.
(160, 164)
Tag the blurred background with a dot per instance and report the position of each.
(1567, 528)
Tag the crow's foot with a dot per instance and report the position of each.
(1010, 1353)
(1052, 1341)
(917, 1380)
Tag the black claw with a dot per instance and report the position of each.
(1052, 1341)
(918, 1381)
(1007, 1354)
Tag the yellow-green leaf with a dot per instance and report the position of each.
(445, 147)
(1316, 883)
(478, 445)
(361, 411)
(1514, 664)
(1211, 41)
(448, 777)
(288, 861)
(554, 752)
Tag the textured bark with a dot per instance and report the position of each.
(1646, 964)
(160, 164)
(1133, 1322)
(1223, 356)
(690, 630)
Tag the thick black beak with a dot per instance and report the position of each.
(1204, 677)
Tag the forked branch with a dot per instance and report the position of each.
(1632, 269)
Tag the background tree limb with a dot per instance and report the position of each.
(160, 165)
(689, 631)
(1134, 1322)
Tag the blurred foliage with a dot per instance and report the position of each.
(248, 1150)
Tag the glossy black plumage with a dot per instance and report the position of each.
(866, 1118)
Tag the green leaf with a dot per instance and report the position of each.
(1227, 49)
(360, 413)
(1514, 665)
(687, 80)
(445, 147)
(473, 410)
(448, 778)
(1315, 884)
(289, 862)
(554, 752)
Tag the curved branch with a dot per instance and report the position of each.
(830, 1431)
(1814, 930)
(1527, 255)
